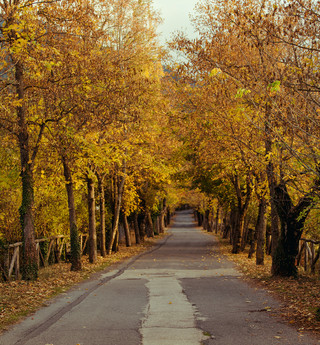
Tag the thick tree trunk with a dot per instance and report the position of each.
(136, 228)
(126, 230)
(261, 231)
(74, 235)
(92, 221)
(292, 221)
(30, 262)
(103, 251)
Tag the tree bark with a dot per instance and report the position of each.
(136, 227)
(217, 219)
(118, 200)
(92, 221)
(292, 220)
(149, 223)
(103, 251)
(162, 215)
(242, 207)
(30, 262)
(272, 184)
(74, 235)
(126, 230)
(206, 220)
(261, 231)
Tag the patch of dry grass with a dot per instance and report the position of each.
(20, 298)
(299, 297)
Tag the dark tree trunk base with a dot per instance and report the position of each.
(283, 264)
(30, 272)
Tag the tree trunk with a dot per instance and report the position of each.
(30, 262)
(136, 227)
(149, 223)
(217, 219)
(103, 251)
(126, 230)
(242, 207)
(253, 241)
(292, 221)
(168, 215)
(92, 221)
(206, 220)
(74, 235)
(142, 226)
(118, 200)
(272, 184)
(162, 215)
(238, 231)
(261, 231)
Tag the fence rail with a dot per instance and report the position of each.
(57, 245)
(309, 253)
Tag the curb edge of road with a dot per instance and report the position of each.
(95, 280)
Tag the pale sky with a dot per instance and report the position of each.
(175, 14)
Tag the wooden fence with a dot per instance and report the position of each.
(57, 246)
(308, 256)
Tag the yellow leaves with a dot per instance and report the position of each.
(215, 72)
(242, 92)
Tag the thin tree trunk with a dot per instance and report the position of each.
(136, 227)
(142, 226)
(162, 215)
(238, 231)
(74, 235)
(126, 230)
(217, 219)
(205, 224)
(92, 221)
(272, 184)
(118, 201)
(103, 251)
(150, 232)
(253, 242)
(242, 207)
(261, 231)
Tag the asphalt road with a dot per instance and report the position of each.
(180, 292)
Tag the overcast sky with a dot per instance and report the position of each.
(175, 14)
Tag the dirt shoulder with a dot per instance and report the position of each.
(299, 298)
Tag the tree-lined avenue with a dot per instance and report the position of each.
(180, 292)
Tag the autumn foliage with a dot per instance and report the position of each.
(102, 134)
